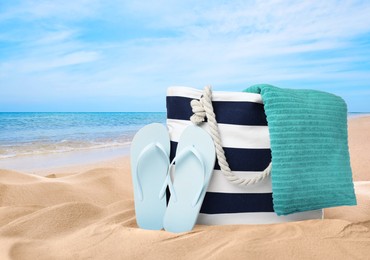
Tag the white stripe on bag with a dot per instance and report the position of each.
(216, 96)
(219, 183)
(232, 136)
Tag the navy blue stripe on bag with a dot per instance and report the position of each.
(240, 159)
(219, 203)
(227, 112)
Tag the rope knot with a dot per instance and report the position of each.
(203, 108)
(199, 113)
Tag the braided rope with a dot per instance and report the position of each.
(203, 108)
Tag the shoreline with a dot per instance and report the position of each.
(352, 115)
(65, 162)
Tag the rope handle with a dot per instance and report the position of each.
(203, 108)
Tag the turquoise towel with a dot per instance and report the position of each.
(309, 146)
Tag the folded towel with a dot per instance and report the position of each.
(309, 146)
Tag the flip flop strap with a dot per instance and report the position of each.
(145, 150)
(189, 149)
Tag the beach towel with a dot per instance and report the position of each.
(245, 140)
(309, 144)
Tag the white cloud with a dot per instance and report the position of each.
(69, 59)
(30, 10)
(53, 37)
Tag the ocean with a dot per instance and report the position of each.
(44, 133)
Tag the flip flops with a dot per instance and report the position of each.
(150, 151)
(195, 158)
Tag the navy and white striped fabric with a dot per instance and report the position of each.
(245, 138)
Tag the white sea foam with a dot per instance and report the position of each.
(38, 149)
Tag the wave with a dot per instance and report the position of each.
(38, 148)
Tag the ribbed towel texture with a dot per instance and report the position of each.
(309, 145)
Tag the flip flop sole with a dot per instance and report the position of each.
(150, 168)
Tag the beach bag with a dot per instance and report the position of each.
(243, 196)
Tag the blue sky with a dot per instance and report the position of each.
(115, 55)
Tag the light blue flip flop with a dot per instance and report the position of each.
(195, 159)
(150, 151)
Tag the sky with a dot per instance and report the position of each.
(95, 55)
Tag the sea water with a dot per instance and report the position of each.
(23, 134)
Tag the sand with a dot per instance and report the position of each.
(87, 212)
(359, 147)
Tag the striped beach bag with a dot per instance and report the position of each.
(245, 195)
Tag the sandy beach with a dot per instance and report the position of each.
(86, 211)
